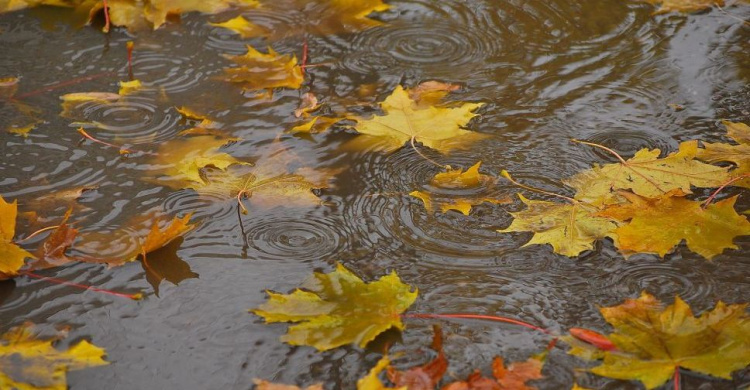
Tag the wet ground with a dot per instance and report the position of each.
(603, 71)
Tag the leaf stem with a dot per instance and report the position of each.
(715, 193)
(42, 230)
(676, 379)
(63, 84)
(431, 161)
(106, 17)
(135, 297)
(622, 160)
(532, 189)
(88, 136)
(129, 45)
(476, 317)
(304, 57)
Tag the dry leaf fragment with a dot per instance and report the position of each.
(657, 225)
(11, 255)
(653, 341)
(338, 308)
(51, 252)
(307, 104)
(404, 121)
(264, 71)
(647, 175)
(570, 228)
(27, 363)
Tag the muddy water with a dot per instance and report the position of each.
(548, 71)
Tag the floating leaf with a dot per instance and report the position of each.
(513, 377)
(158, 238)
(266, 385)
(264, 71)
(338, 308)
(317, 124)
(404, 121)
(653, 341)
(51, 252)
(570, 228)
(737, 154)
(128, 87)
(657, 225)
(180, 161)
(647, 175)
(27, 363)
(684, 5)
(11, 255)
(243, 27)
(371, 380)
(457, 178)
(427, 376)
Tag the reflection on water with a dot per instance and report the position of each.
(548, 71)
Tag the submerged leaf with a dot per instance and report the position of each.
(684, 5)
(513, 377)
(404, 121)
(647, 175)
(22, 117)
(462, 205)
(264, 71)
(653, 341)
(427, 376)
(338, 308)
(657, 225)
(11, 255)
(27, 363)
(570, 228)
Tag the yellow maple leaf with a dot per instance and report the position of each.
(457, 178)
(405, 121)
(243, 27)
(647, 175)
(570, 228)
(30, 364)
(180, 161)
(462, 204)
(11, 255)
(158, 238)
(653, 341)
(657, 225)
(684, 5)
(738, 154)
(264, 71)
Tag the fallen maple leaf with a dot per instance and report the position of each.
(684, 5)
(657, 225)
(134, 15)
(331, 17)
(51, 252)
(459, 179)
(264, 71)
(737, 154)
(181, 160)
(11, 255)
(338, 308)
(570, 228)
(406, 122)
(27, 363)
(653, 341)
(514, 377)
(158, 238)
(427, 376)
(243, 27)
(647, 175)
(266, 385)
(371, 380)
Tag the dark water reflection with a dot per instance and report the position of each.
(548, 71)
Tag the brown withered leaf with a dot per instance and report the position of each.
(51, 253)
(512, 377)
(427, 376)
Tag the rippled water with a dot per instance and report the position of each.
(548, 71)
